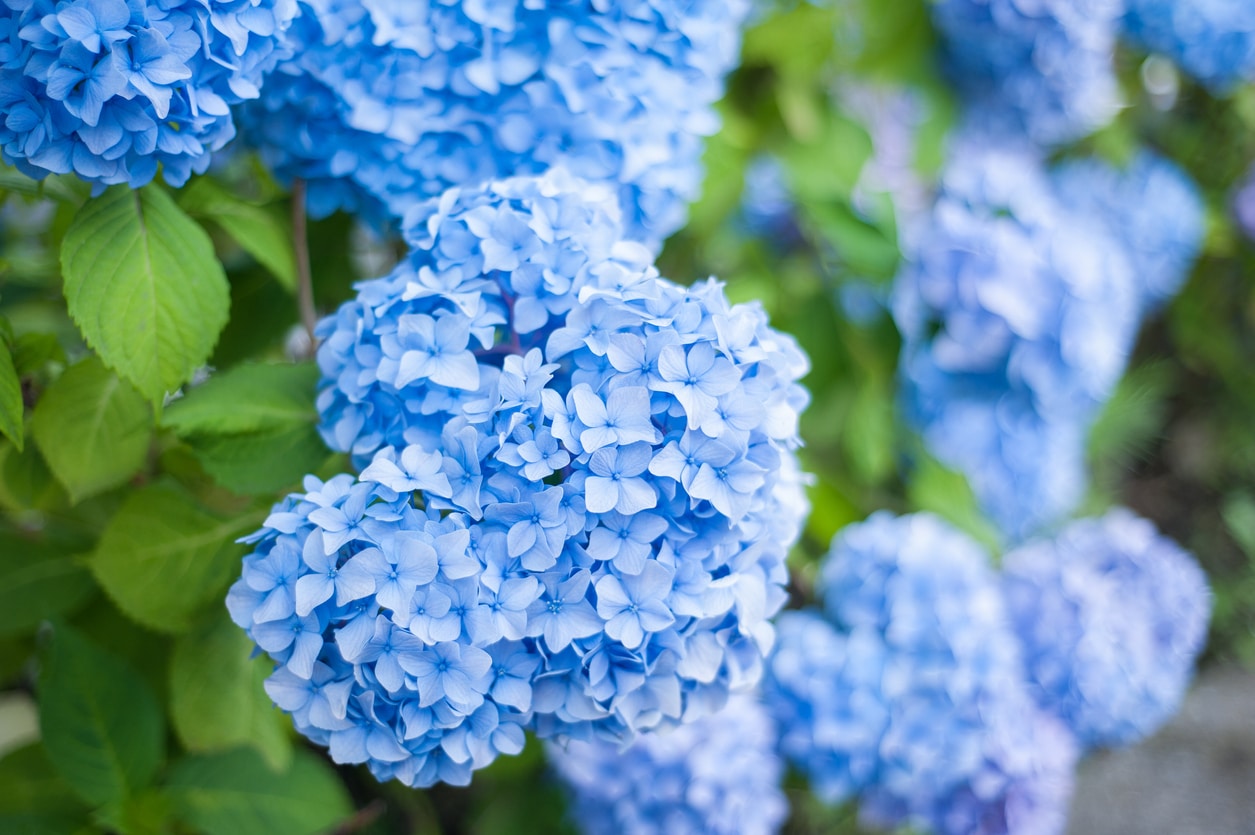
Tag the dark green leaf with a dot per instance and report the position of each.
(33, 799)
(25, 481)
(11, 424)
(100, 724)
(163, 557)
(33, 351)
(216, 697)
(237, 794)
(263, 462)
(947, 493)
(93, 429)
(144, 287)
(38, 582)
(258, 230)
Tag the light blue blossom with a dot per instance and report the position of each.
(1112, 616)
(1212, 40)
(615, 549)
(112, 90)
(716, 776)
(386, 103)
(1044, 69)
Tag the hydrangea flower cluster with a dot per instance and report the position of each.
(1151, 207)
(577, 511)
(718, 775)
(389, 102)
(910, 693)
(1042, 68)
(1017, 317)
(112, 89)
(1111, 615)
(1212, 40)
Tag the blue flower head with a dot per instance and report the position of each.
(388, 102)
(718, 775)
(579, 488)
(1111, 616)
(112, 89)
(910, 694)
(1017, 317)
(1043, 69)
(1151, 207)
(1212, 40)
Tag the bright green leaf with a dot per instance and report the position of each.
(261, 463)
(236, 794)
(162, 558)
(144, 287)
(245, 399)
(934, 488)
(25, 482)
(93, 429)
(37, 582)
(257, 230)
(216, 697)
(11, 424)
(101, 726)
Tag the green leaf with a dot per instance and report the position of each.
(253, 427)
(216, 697)
(33, 799)
(257, 230)
(38, 582)
(144, 287)
(100, 724)
(236, 794)
(162, 558)
(245, 399)
(93, 429)
(11, 425)
(261, 463)
(25, 482)
(935, 488)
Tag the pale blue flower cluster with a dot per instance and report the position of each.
(1111, 615)
(1152, 208)
(389, 102)
(1212, 40)
(716, 776)
(111, 90)
(1043, 68)
(910, 694)
(1017, 316)
(575, 519)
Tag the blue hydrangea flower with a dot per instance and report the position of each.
(1244, 204)
(1017, 317)
(1042, 68)
(580, 486)
(1151, 206)
(112, 89)
(911, 694)
(1212, 40)
(388, 102)
(1111, 616)
(718, 775)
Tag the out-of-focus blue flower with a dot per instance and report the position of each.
(914, 700)
(1212, 40)
(718, 775)
(1151, 206)
(1042, 68)
(1244, 204)
(1111, 615)
(388, 102)
(112, 89)
(605, 467)
(1017, 318)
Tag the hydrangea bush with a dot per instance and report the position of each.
(701, 778)
(1043, 69)
(577, 512)
(1112, 616)
(387, 102)
(910, 693)
(1212, 40)
(112, 90)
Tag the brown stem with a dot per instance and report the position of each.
(304, 279)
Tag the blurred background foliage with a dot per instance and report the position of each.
(119, 528)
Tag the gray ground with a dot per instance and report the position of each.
(1195, 777)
